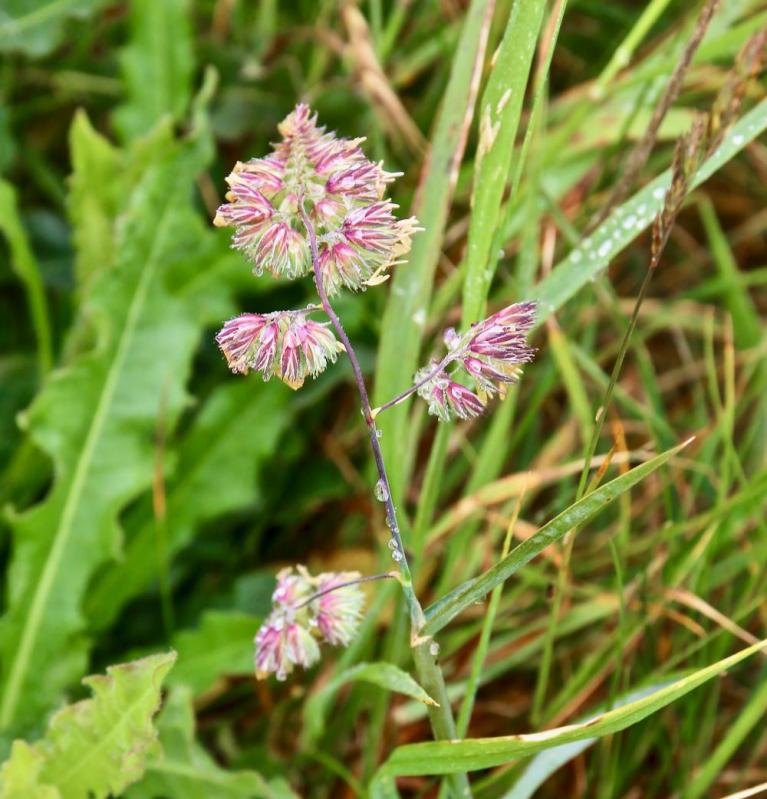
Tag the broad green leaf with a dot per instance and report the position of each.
(26, 267)
(439, 614)
(97, 747)
(219, 470)
(584, 263)
(102, 176)
(35, 27)
(499, 114)
(20, 774)
(95, 196)
(450, 757)
(222, 645)
(385, 675)
(185, 770)
(403, 323)
(157, 65)
(96, 419)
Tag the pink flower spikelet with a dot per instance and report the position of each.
(339, 611)
(490, 353)
(307, 610)
(342, 191)
(283, 343)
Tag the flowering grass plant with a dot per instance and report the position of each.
(534, 294)
(316, 204)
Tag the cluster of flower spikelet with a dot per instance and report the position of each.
(490, 354)
(306, 610)
(283, 343)
(342, 193)
(358, 239)
(316, 205)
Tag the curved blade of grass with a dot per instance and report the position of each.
(402, 329)
(439, 614)
(546, 763)
(586, 262)
(448, 757)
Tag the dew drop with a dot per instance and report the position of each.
(604, 249)
(381, 491)
(434, 649)
(392, 543)
(396, 555)
(629, 222)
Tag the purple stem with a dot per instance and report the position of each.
(357, 581)
(429, 672)
(416, 611)
(451, 356)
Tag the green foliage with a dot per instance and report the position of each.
(94, 418)
(384, 675)
(569, 519)
(94, 748)
(184, 770)
(219, 461)
(157, 65)
(154, 495)
(222, 645)
(499, 113)
(401, 334)
(28, 271)
(102, 177)
(444, 757)
(35, 27)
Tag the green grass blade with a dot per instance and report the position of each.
(546, 763)
(449, 757)
(438, 615)
(499, 114)
(402, 328)
(592, 256)
(745, 320)
(751, 716)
